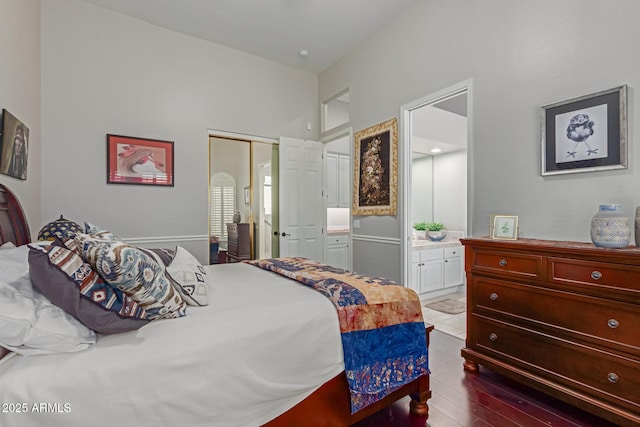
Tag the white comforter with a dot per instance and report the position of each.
(262, 345)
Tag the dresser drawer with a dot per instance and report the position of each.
(604, 375)
(507, 264)
(598, 275)
(595, 319)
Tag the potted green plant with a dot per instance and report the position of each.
(436, 231)
(420, 232)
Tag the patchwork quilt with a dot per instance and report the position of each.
(381, 325)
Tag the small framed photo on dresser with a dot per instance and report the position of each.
(503, 227)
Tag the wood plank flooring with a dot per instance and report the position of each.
(479, 400)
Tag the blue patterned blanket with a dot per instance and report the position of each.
(381, 325)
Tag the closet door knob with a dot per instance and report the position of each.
(502, 262)
(613, 323)
(493, 296)
(596, 275)
(613, 378)
(493, 336)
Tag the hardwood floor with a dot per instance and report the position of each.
(484, 399)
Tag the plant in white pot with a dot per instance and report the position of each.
(436, 231)
(420, 230)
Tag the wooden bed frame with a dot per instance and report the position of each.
(327, 406)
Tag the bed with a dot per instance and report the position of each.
(264, 351)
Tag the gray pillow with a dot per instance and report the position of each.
(68, 282)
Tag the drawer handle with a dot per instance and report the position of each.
(502, 262)
(596, 275)
(613, 323)
(493, 296)
(613, 378)
(494, 337)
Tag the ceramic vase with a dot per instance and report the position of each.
(610, 228)
(237, 218)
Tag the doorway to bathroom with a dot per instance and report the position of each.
(435, 153)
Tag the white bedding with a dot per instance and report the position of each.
(262, 345)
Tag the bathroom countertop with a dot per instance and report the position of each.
(338, 231)
(427, 244)
(452, 239)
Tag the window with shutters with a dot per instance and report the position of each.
(223, 202)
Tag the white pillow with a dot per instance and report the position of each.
(7, 245)
(29, 322)
(192, 281)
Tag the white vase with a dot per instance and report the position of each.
(610, 228)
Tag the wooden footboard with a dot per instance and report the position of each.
(329, 405)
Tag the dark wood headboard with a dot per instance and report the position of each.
(13, 223)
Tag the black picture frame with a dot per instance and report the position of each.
(585, 134)
(14, 146)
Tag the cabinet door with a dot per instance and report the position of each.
(431, 276)
(415, 276)
(338, 256)
(331, 180)
(344, 181)
(452, 272)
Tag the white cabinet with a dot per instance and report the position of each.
(337, 252)
(453, 266)
(338, 180)
(433, 269)
(427, 270)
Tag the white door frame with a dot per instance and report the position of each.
(405, 159)
(332, 136)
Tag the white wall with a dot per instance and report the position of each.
(450, 190)
(422, 190)
(521, 55)
(20, 93)
(103, 72)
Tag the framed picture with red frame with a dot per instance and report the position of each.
(132, 160)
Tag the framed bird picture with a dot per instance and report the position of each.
(585, 134)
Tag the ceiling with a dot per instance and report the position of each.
(273, 29)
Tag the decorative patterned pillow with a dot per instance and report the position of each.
(189, 277)
(135, 273)
(99, 232)
(67, 281)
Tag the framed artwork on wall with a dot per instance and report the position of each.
(132, 160)
(375, 184)
(14, 145)
(585, 134)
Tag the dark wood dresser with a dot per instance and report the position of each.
(239, 245)
(561, 317)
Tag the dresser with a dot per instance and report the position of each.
(239, 244)
(561, 317)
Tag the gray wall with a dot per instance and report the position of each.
(103, 72)
(520, 55)
(20, 93)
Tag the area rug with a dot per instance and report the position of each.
(449, 306)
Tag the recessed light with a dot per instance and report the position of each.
(304, 53)
(436, 150)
